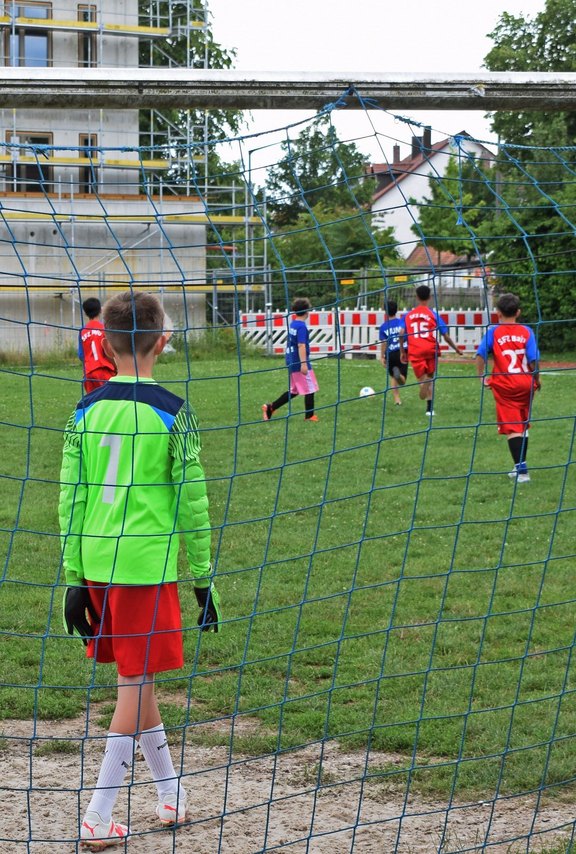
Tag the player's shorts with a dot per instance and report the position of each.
(96, 379)
(303, 383)
(140, 629)
(512, 411)
(393, 361)
(423, 364)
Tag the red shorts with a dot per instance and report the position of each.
(140, 627)
(96, 379)
(423, 364)
(512, 411)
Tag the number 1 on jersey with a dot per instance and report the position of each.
(112, 441)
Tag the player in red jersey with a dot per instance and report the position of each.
(514, 378)
(98, 368)
(422, 326)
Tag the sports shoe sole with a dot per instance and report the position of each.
(169, 822)
(102, 844)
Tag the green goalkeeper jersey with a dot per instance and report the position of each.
(131, 483)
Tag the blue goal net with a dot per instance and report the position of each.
(394, 668)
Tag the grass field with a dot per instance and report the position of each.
(383, 581)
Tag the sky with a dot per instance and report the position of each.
(355, 36)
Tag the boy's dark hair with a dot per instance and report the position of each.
(92, 307)
(391, 307)
(133, 322)
(508, 305)
(423, 292)
(300, 306)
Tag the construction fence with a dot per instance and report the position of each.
(351, 332)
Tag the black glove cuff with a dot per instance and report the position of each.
(202, 595)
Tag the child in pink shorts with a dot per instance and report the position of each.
(302, 378)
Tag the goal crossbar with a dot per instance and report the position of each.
(44, 88)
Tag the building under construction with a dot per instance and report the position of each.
(94, 200)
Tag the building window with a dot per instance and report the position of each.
(87, 42)
(30, 170)
(29, 46)
(87, 176)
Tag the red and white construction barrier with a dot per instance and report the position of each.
(351, 331)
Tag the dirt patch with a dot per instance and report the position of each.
(244, 805)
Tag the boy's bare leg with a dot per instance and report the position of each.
(395, 392)
(426, 389)
(136, 707)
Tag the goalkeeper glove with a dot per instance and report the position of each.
(209, 601)
(76, 603)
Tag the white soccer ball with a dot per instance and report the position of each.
(366, 391)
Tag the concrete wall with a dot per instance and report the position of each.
(33, 322)
(48, 265)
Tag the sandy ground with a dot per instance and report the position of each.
(243, 805)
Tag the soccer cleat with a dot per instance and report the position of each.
(519, 473)
(171, 810)
(312, 418)
(266, 411)
(521, 476)
(397, 403)
(430, 413)
(398, 376)
(96, 835)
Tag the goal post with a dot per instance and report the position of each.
(209, 89)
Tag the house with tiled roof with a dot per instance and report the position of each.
(445, 270)
(407, 178)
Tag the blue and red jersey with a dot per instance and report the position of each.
(513, 348)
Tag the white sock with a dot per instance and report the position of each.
(116, 762)
(156, 752)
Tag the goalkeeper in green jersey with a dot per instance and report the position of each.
(131, 482)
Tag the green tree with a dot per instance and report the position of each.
(531, 237)
(532, 252)
(168, 130)
(546, 42)
(318, 206)
(332, 242)
(460, 203)
(316, 167)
